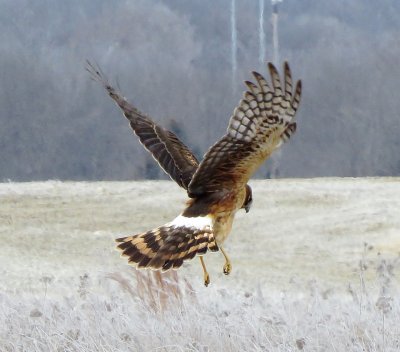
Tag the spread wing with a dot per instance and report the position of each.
(263, 120)
(172, 155)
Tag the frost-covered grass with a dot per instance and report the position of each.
(156, 313)
(315, 268)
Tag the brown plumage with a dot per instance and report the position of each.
(172, 155)
(263, 120)
(166, 247)
(217, 187)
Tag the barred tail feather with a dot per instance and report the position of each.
(166, 247)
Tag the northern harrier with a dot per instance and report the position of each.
(217, 186)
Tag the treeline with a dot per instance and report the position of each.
(172, 59)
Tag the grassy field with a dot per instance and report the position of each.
(314, 269)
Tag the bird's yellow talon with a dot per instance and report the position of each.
(206, 280)
(227, 268)
(206, 276)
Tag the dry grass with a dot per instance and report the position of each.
(158, 291)
(157, 312)
(301, 280)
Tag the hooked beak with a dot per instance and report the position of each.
(247, 207)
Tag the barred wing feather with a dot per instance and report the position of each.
(263, 120)
(173, 156)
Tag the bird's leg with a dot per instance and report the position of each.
(206, 276)
(227, 266)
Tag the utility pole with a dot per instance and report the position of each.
(261, 34)
(275, 39)
(233, 45)
(275, 44)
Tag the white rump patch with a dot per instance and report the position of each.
(199, 222)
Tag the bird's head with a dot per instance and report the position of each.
(248, 200)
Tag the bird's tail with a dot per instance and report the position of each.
(167, 246)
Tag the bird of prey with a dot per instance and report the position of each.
(217, 186)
